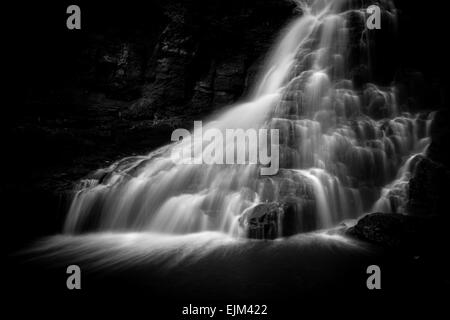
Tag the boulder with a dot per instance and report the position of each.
(263, 221)
(273, 220)
(408, 235)
(389, 230)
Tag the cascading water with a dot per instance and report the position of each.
(339, 146)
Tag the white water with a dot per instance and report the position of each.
(335, 157)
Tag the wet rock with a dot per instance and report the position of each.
(388, 230)
(406, 235)
(273, 220)
(264, 221)
(377, 103)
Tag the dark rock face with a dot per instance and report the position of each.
(155, 58)
(186, 57)
(114, 68)
(440, 137)
(206, 54)
(428, 191)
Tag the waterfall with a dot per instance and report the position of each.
(341, 147)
